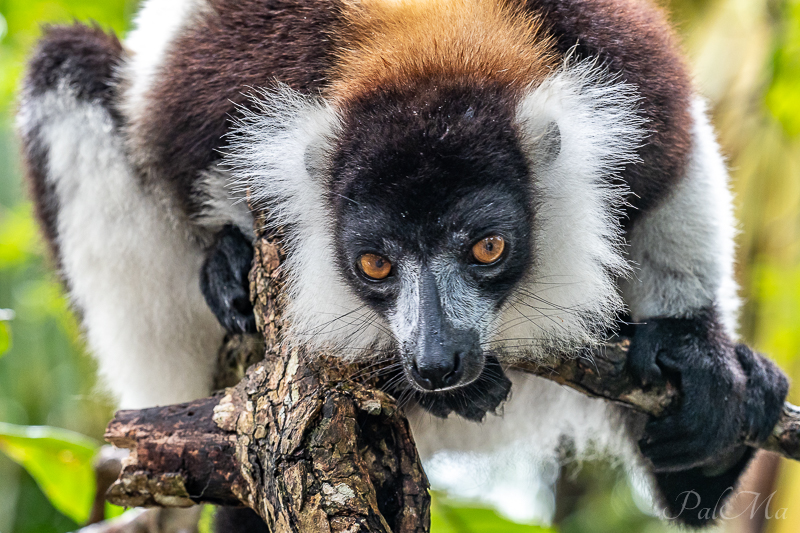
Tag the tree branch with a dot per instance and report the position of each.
(603, 375)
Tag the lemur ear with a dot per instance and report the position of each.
(315, 157)
(547, 145)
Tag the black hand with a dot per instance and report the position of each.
(696, 354)
(729, 393)
(224, 280)
(697, 499)
(767, 388)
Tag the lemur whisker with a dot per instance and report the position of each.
(538, 298)
(542, 313)
(376, 369)
(321, 327)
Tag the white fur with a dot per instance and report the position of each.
(508, 457)
(571, 296)
(684, 248)
(279, 151)
(130, 271)
(156, 26)
(405, 317)
(221, 205)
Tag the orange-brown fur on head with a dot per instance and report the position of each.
(390, 43)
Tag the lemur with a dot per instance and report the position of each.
(462, 183)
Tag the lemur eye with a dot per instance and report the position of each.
(374, 266)
(489, 249)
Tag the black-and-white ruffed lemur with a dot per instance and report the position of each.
(461, 182)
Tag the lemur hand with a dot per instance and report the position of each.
(728, 392)
(224, 280)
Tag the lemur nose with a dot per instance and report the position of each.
(439, 373)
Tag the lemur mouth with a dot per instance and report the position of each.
(471, 400)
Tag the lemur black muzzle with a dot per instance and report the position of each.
(443, 357)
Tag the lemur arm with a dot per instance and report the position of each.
(131, 268)
(683, 300)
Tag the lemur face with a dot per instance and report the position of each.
(457, 222)
(433, 214)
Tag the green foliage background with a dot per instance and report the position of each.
(746, 58)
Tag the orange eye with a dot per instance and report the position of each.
(374, 266)
(488, 250)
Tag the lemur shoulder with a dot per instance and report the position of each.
(462, 183)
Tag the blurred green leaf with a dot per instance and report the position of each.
(59, 460)
(783, 95)
(206, 523)
(6, 315)
(777, 288)
(448, 517)
(5, 338)
(113, 511)
(19, 238)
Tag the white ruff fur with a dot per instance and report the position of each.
(504, 461)
(685, 248)
(220, 205)
(130, 271)
(280, 152)
(570, 296)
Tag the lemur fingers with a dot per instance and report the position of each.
(224, 280)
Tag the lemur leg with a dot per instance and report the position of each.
(684, 301)
(131, 269)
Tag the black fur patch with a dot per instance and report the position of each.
(767, 388)
(224, 280)
(484, 395)
(422, 173)
(82, 58)
(697, 500)
(426, 171)
(41, 190)
(633, 38)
